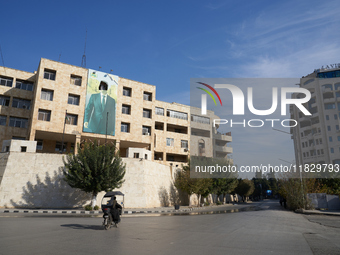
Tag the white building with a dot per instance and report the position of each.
(317, 137)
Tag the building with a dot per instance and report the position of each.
(317, 137)
(52, 105)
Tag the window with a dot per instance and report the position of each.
(23, 148)
(170, 158)
(18, 138)
(21, 103)
(46, 94)
(127, 91)
(4, 101)
(201, 148)
(18, 122)
(39, 145)
(170, 142)
(6, 81)
(159, 111)
(330, 139)
(337, 127)
(73, 99)
(329, 128)
(147, 96)
(125, 127)
(338, 138)
(75, 80)
(332, 150)
(25, 85)
(135, 155)
(44, 115)
(327, 117)
(178, 115)
(200, 119)
(327, 86)
(126, 109)
(3, 120)
(59, 145)
(329, 107)
(146, 130)
(184, 144)
(146, 156)
(71, 119)
(335, 116)
(146, 113)
(72, 148)
(337, 86)
(49, 74)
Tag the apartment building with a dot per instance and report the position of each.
(317, 137)
(54, 106)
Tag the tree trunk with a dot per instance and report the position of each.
(199, 200)
(94, 200)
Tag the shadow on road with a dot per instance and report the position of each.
(80, 226)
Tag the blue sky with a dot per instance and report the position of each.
(165, 43)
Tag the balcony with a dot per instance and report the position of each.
(223, 137)
(224, 149)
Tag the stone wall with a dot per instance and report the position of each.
(34, 180)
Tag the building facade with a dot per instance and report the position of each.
(49, 106)
(317, 137)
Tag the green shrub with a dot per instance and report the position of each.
(88, 208)
(96, 207)
(218, 203)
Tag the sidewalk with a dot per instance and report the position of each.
(319, 212)
(128, 211)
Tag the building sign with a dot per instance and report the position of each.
(101, 100)
(328, 67)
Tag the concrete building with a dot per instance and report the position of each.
(317, 137)
(48, 106)
(44, 113)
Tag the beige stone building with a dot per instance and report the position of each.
(48, 107)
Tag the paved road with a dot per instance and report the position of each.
(268, 231)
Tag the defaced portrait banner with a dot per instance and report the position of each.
(101, 100)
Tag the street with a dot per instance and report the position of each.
(271, 230)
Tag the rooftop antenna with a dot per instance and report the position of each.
(111, 71)
(59, 57)
(83, 60)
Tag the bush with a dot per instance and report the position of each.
(96, 208)
(88, 208)
(218, 203)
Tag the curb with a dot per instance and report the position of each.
(99, 212)
(83, 212)
(309, 212)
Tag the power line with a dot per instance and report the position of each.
(2, 58)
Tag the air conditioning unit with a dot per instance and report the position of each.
(146, 133)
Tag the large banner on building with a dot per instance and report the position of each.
(101, 100)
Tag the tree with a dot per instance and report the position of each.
(245, 188)
(189, 185)
(94, 169)
(223, 186)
